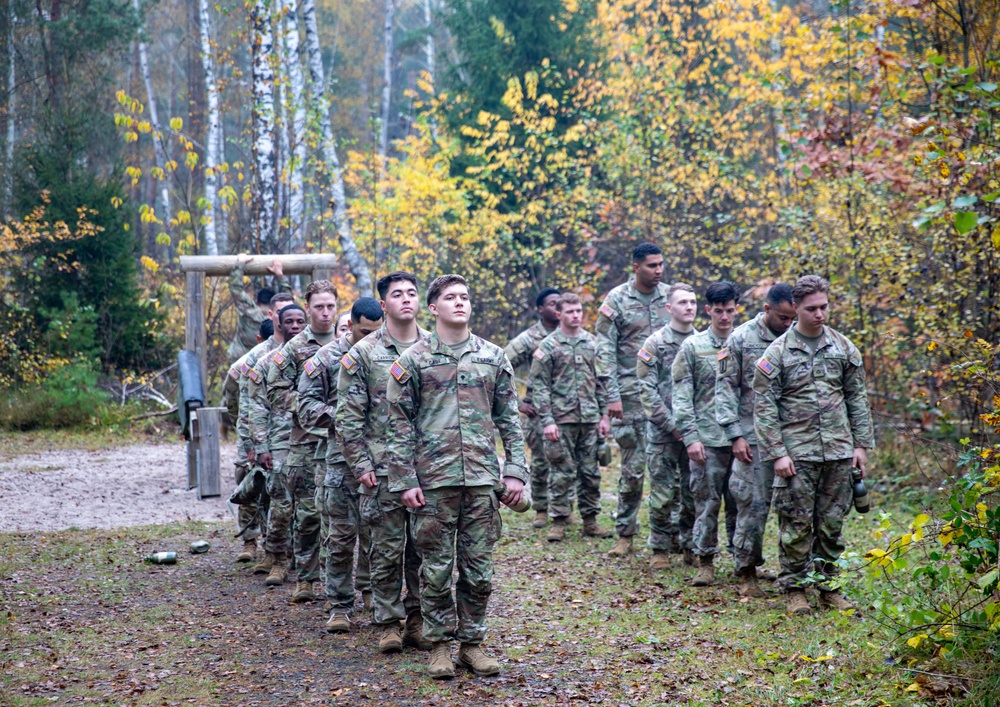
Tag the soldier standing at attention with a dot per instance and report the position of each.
(570, 392)
(305, 451)
(449, 396)
(337, 490)
(630, 313)
(519, 352)
(666, 455)
(750, 483)
(362, 430)
(695, 369)
(812, 420)
(249, 313)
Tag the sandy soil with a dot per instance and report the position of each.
(107, 488)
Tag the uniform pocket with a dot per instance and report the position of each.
(625, 434)
(553, 450)
(371, 510)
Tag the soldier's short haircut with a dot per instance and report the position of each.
(320, 287)
(779, 292)
(809, 285)
(568, 298)
(291, 308)
(264, 296)
(678, 287)
(440, 283)
(382, 287)
(281, 297)
(367, 307)
(266, 330)
(644, 250)
(544, 295)
(722, 292)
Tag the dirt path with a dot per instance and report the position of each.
(107, 488)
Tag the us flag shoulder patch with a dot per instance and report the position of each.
(253, 375)
(645, 355)
(279, 358)
(348, 361)
(766, 366)
(397, 371)
(607, 311)
(311, 367)
(234, 374)
(723, 353)
(539, 354)
(244, 368)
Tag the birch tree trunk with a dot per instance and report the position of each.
(281, 161)
(296, 91)
(212, 142)
(162, 190)
(357, 264)
(8, 176)
(263, 119)
(430, 50)
(383, 137)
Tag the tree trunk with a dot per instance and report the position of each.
(383, 136)
(357, 264)
(263, 118)
(8, 175)
(296, 196)
(212, 142)
(163, 193)
(430, 50)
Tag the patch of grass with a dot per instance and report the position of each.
(90, 439)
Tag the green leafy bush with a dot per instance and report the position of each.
(67, 397)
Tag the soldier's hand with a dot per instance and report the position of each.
(742, 451)
(860, 460)
(515, 490)
(276, 268)
(616, 410)
(243, 258)
(264, 459)
(784, 467)
(526, 409)
(368, 479)
(413, 498)
(551, 433)
(604, 426)
(251, 455)
(696, 452)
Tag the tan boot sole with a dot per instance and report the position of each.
(481, 673)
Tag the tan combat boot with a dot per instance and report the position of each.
(541, 519)
(392, 639)
(303, 592)
(249, 551)
(557, 533)
(689, 559)
(623, 547)
(706, 572)
(748, 584)
(413, 632)
(835, 600)
(338, 623)
(765, 575)
(659, 561)
(265, 565)
(593, 529)
(439, 665)
(279, 573)
(475, 659)
(796, 603)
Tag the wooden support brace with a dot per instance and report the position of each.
(195, 333)
(209, 423)
(222, 265)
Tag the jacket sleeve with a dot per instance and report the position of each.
(766, 417)
(541, 386)
(856, 399)
(244, 302)
(728, 386)
(260, 411)
(518, 351)
(607, 336)
(508, 424)
(403, 397)
(313, 407)
(352, 407)
(683, 398)
(648, 375)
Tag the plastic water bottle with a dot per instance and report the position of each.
(198, 547)
(162, 558)
(603, 452)
(860, 492)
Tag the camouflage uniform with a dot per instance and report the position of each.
(247, 517)
(249, 317)
(570, 389)
(519, 352)
(270, 429)
(671, 505)
(444, 414)
(694, 371)
(624, 322)
(306, 451)
(362, 429)
(337, 491)
(750, 484)
(812, 407)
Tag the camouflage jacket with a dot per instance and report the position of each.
(445, 413)
(624, 322)
(282, 384)
(248, 314)
(653, 368)
(362, 408)
(694, 370)
(734, 385)
(520, 350)
(569, 383)
(270, 427)
(231, 390)
(317, 394)
(811, 406)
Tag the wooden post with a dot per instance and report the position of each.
(222, 265)
(195, 336)
(192, 450)
(209, 421)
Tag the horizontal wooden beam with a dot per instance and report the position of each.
(222, 265)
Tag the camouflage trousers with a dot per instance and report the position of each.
(305, 532)
(393, 555)
(671, 505)
(710, 487)
(534, 440)
(630, 434)
(341, 531)
(277, 539)
(750, 486)
(573, 465)
(811, 507)
(249, 515)
(457, 523)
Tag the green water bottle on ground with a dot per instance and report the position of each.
(162, 558)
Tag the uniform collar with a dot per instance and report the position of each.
(795, 340)
(438, 346)
(716, 341)
(564, 338)
(763, 331)
(634, 293)
(675, 336)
